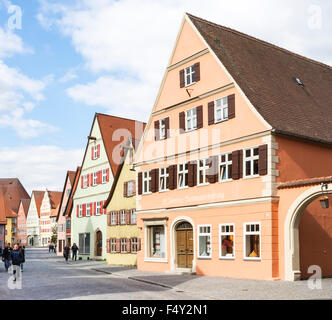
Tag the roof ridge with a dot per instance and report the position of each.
(109, 115)
(263, 42)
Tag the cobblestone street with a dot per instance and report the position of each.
(47, 276)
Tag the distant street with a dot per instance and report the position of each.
(47, 277)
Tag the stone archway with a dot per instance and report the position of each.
(291, 229)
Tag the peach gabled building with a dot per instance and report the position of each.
(235, 122)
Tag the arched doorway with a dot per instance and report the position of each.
(184, 245)
(99, 243)
(292, 229)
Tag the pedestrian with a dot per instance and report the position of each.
(22, 249)
(7, 257)
(66, 252)
(17, 258)
(55, 248)
(74, 249)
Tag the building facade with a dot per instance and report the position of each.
(123, 236)
(61, 217)
(101, 159)
(216, 149)
(22, 237)
(33, 225)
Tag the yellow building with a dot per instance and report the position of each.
(11, 228)
(123, 236)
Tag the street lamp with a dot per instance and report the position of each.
(324, 200)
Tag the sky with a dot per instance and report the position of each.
(63, 60)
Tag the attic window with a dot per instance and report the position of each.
(299, 82)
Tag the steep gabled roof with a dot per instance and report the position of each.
(55, 197)
(69, 205)
(266, 75)
(38, 196)
(5, 210)
(25, 204)
(14, 192)
(108, 125)
(71, 176)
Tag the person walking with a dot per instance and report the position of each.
(66, 252)
(7, 257)
(17, 258)
(74, 249)
(22, 249)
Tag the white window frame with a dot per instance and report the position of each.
(252, 159)
(130, 188)
(123, 242)
(245, 233)
(88, 210)
(94, 178)
(148, 244)
(98, 207)
(226, 163)
(226, 234)
(204, 234)
(191, 116)
(189, 71)
(104, 176)
(95, 152)
(134, 244)
(80, 210)
(123, 214)
(85, 181)
(133, 213)
(113, 245)
(163, 176)
(205, 171)
(222, 108)
(162, 129)
(113, 218)
(146, 177)
(183, 172)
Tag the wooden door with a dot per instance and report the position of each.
(184, 245)
(99, 243)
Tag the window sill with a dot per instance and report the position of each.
(225, 181)
(252, 259)
(203, 184)
(189, 84)
(183, 188)
(191, 130)
(162, 191)
(204, 258)
(163, 260)
(251, 177)
(226, 258)
(216, 122)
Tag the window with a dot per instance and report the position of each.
(80, 210)
(221, 109)
(163, 179)
(130, 188)
(225, 167)
(204, 241)
(123, 245)
(98, 208)
(146, 181)
(95, 178)
(113, 218)
(88, 209)
(60, 227)
(95, 152)
(183, 175)
(202, 171)
(113, 245)
(162, 129)
(251, 157)
(134, 244)
(133, 216)
(189, 75)
(227, 241)
(156, 242)
(85, 181)
(104, 176)
(68, 224)
(191, 119)
(84, 243)
(123, 217)
(252, 241)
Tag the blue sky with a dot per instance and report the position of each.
(74, 58)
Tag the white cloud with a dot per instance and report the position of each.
(39, 166)
(11, 44)
(70, 75)
(128, 42)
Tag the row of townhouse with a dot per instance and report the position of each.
(224, 178)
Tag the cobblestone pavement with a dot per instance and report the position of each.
(49, 277)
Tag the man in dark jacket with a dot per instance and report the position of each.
(17, 258)
(6, 256)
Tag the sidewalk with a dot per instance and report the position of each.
(224, 288)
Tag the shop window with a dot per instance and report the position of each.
(156, 240)
(204, 241)
(252, 241)
(227, 241)
(84, 243)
